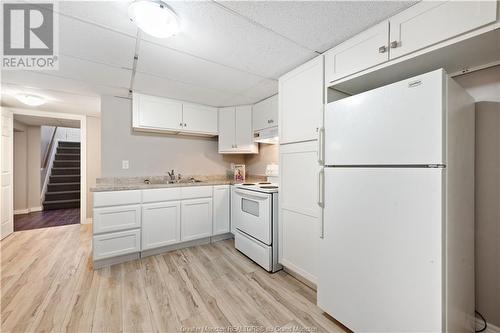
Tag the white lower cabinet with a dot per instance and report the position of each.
(116, 218)
(196, 218)
(161, 224)
(127, 222)
(221, 209)
(116, 244)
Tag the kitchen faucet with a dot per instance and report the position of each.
(171, 175)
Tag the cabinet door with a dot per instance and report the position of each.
(161, 224)
(196, 219)
(363, 51)
(199, 118)
(265, 113)
(300, 215)
(221, 209)
(431, 22)
(244, 133)
(301, 102)
(152, 112)
(226, 129)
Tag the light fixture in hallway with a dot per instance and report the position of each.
(30, 99)
(155, 18)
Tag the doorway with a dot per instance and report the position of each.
(48, 162)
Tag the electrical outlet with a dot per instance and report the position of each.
(125, 164)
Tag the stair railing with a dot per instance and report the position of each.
(48, 162)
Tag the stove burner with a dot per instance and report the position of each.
(247, 184)
(269, 186)
(264, 183)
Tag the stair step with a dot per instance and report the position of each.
(61, 204)
(65, 171)
(64, 179)
(58, 187)
(62, 195)
(72, 157)
(68, 163)
(68, 144)
(68, 150)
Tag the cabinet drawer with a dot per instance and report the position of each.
(194, 192)
(116, 218)
(256, 251)
(115, 198)
(161, 194)
(116, 244)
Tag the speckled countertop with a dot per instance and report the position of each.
(138, 183)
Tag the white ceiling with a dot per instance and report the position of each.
(227, 53)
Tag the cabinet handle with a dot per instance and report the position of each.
(180, 124)
(321, 144)
(321, 200)
(382, 49)
(394, 44)
(185, 125)
(270, 121)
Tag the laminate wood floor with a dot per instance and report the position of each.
(48, 285)
(46, 218)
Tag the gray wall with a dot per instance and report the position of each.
(484, 86)
(153, 154)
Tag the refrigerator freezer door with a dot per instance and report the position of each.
(381, 254)
(398, 124)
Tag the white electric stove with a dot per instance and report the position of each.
(255, 214)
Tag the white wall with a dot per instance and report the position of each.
(484, 86)
(27, 159)
(151, 153)
(93, 157)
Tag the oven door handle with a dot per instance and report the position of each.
(246, 194)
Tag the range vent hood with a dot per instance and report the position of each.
(267, 135)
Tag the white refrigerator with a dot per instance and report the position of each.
(397, 247)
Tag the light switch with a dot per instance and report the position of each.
(125, 164)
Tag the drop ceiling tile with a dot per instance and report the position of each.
(91, 42)
(172, 65)
(212, 32)
(112, 14)
(75, 76)
(318, 25)
(153, 85)
(260, 91)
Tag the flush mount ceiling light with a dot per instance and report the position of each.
(31, 100)
(155, 18)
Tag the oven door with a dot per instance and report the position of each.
(252, 213)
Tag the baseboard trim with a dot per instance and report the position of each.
(221, 237)
(303, 277)
(27, 210)
(116, 260)
(490, 329)
(173, 247)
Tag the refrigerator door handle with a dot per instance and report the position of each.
(321, 146)
(321, 200)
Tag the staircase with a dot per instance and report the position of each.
(63, 188)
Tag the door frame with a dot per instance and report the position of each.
(83, 149)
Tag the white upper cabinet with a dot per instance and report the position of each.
(199, 118)
(151, 113)
(235, 131)
(363, 51)
(301, 94)
(265, 113)
(156, 113)
(431, 22)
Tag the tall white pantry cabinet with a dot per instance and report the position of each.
(301, 103)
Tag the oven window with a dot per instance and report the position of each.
(250, 207)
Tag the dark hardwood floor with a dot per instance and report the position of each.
(48, 218)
